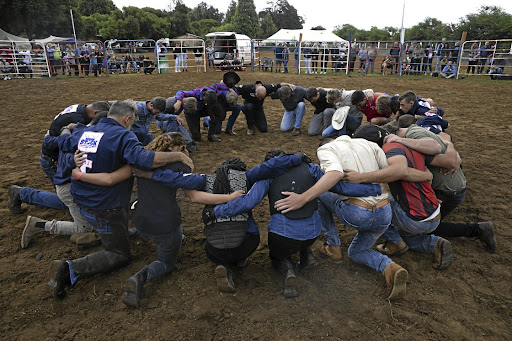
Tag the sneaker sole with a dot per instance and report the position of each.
(446, 255)
(221, 275)
(399, 284)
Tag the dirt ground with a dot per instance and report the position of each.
(471, 300)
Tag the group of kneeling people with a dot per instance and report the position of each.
(421, 169)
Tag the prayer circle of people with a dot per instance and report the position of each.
(92, 152)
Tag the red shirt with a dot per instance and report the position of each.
(370, 109)
(417, 199)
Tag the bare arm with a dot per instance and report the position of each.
(415, 175)
(103, 179)
(425, 146)
(295, 201)
(397, 170)
(163, 158)
(205, 198)
(449, 160)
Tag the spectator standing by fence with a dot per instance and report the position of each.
(184, 58)
(176, 51)
(473, 58)
(198, 58)
(210, 51)
(306, 52)
(314, 57)
(370, 60)
(325, 58)
(482, 60)
(362, 54)
(427, 59)
(440, 53)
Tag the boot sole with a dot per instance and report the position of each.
(384, 251)
(399, 284)
(23, 245)
(221, 275)
(10, 204)
(130, 293)
(446, 255)
(57, 269)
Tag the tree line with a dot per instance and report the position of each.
(101, 19)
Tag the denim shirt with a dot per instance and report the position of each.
(299, 229)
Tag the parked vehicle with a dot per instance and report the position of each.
(230, 45)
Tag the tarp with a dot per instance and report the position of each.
(307, 35)
(7, 36)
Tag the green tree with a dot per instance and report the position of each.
(89, 7)
(246, 20)
(268, 27)
(429, 29)
(490, 22)
(230, 13)
(180, 22)
(203, 27)
(203, 11)
(284, 15)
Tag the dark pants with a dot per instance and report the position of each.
(445, 229)
(255, 117)
(113, 230)
(229, 257)
(235, 111)
(194, 122)
(282, 247)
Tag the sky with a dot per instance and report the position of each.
(361, 14)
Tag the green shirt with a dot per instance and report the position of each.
(440, 182)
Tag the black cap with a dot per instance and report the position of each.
(231, 79)
(372, 133)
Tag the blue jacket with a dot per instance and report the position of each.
(299, 229)
(117, 147)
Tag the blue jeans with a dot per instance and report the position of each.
(370, 225)
(173, 126)
(293, 119)
(414, 233)
(307, 64)
(48, 168)
(167, 248)
(370, 61)
(32, 196)
(351, 123)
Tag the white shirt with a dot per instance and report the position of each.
(359, 155)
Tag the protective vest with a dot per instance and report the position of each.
(297, 179)
(227, 233)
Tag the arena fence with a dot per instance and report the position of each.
(322, 58)
(182, 55)
(486, 58)
(371, 56)
(229, 54)
(275, 55)
(75, 58)
(130, 56)
(23, 59)
(429, 57)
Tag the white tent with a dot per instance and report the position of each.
(11, 37)
(53, 39)
(307, 35)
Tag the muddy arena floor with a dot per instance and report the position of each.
(471, 300)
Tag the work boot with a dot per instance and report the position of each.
(230, 132)
(442, 254)
(332, 252)
(250, 132)
(31, 228)
(61, 278)
(191, 147)
(307, 259)
(242, 263)
(486, 234)
(14, 201)
(295, 132)
(396, 280)
(212, 138)
(290, 289)
(133, 287)
(391, 249)
(224, 279)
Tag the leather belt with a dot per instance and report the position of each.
(366, 205)
(452, 193)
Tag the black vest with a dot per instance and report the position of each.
(297, 179)
(227, 233)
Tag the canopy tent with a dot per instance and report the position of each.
(307, 35)
(53, 39)
(11, 37)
